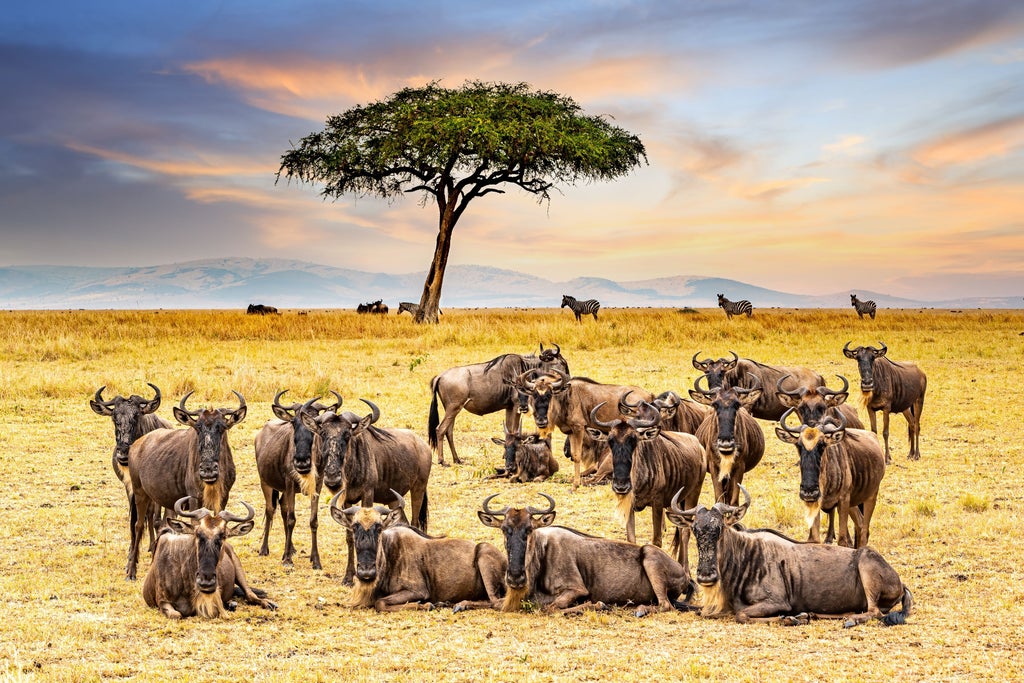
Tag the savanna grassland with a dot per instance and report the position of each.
(948, 523)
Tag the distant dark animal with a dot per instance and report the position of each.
(731, 308)
(195, 570)
(411, 308)
(840, 471)
(813, 405)
(557, 567)
(863, 307)
(745, 372)
(483, 388)
(378, 307)
(892, 388)
(168, 464)
(648, 466)
(399, 567)
(260, 309)
(732, 438)
(528, 457)
(679, 414)
(761, 575)
(581, 308)
(289, 460)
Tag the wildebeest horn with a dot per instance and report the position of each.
(558, 349)
(696, 385)
(627, 408)
(277, 399)
(730, 364)
(241, 403)
(309, 404)
(99, 397)
(181, 406)
(668, 399)
(782, 422)
(602, 425)
(848, 352)
(881, 351)
(487, 506)
(337, 404)
(334, 500)
(799, 393)
(399, 500)
(153, 403)
(825, 391)
(674, 505)
(747, 390)
(702, 365)
(836, 426)
(523, 380)
(230, 517)
(179, 509)
(374, 410)
(639, 422)
(562, 378)
(551, 506)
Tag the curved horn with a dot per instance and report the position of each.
(337, 404)
(800, 391)
(746, 497)
(153, 403)
(374, 410)
(696, 385)
(551, 506)
(825, 391)
(309, 404)
(639, 422)
(837, 426)
(848, 352)
(486, 506)
(701, 365)
(562, 379)
(782, 422)
(883, 349)
(181, 406)
(747, 390)
(602, 425)
(230, 517)
(523, 380)
(399, 499)
(627, 408)
(674, 505)
(179, 509)
(277, 399)
(730, 364)
(334, 501)
(241, 403)
(558, 349)
(99, 397)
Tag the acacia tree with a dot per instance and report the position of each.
(457, 144)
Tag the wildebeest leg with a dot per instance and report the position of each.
(270, 508)
(599, 474)
(314, 523)
(830, 533)
(512, 419)
(402, 600)
(584, 607)
(475, 604)
(657, 519)
(654, 568)
(169, 611)
(288, 518)
(885, 434)
(844, 513)
(631, 526)
(142, 504)
(864, 530)
(350, 565)
(913, 417)
(446, 430)
(242, 582)
(576, 448)
(762, 610)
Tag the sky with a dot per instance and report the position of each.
(808, 147)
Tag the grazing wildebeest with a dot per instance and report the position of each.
(289, 459)
(678, 414)
(528, 457)
(482, 388)
(378, 307)
(132, 417)
(840, 470)
(195, 570)
(814, 404)
(863, 307)
(732, 439)
(557, 567)
(581, 308)
(892, 388)
(399, 567)
(167, 464)
(260, 309)
(731, 308)
(744, 372)
(565, 403)
(373, 462)
(760, 574)
(648, 466)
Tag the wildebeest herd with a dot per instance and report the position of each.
(654, 452)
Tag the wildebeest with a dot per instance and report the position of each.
(732, 439)
(378, 307)
(814, 404)
(581, 308)
(840, 471)
(399, 567)
(528, 457)
(557, 567)
(374, 462)
(260, 309)
(863, 307)
(648, 466)
(731, 308)
(167, 464)
(195, 570)
(892, 388)
(761, 574)
(482, 388)
(679, 414)
(289, 459)
(741, 372)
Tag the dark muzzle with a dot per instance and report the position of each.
(515, 581)
(726, 447)
(810, 495)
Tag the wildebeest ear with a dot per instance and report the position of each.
(309, 422)
(179, 526)
(183, 417)
(490, 520)
(531, 438)
(596, 434)
(99, 408)
(701, 397)
(788, 400)
(748, 398)
(833, 400)
(835, 437)
(787, 436)
(500, 442)
(362, 424)
(240, 529)
(393, 518)
(341, 517)
(647, 433)
(543, 520)
(235, 416)
(678, 519)
(281, 413)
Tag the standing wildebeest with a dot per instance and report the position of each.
(761, 574)
(744, 372)
(260, 309)
(399, 567)
(814, 404)
(482, 388)
(678, 414)
(648, 466)
(375, 461)
(731, 308)
(195, 570)
(892, 388)
(863, 307)
(840, 470)
(528, 457)
(581, 308)
(378, 307)
(167, 464)
(732, 438)
(556, 567)
(289, 459)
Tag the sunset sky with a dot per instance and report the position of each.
(810, 147)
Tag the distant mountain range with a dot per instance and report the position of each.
(237, 282)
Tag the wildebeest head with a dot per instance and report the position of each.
(622, 437)
(211, 425)
(715, 370)
(708, 527)
(726, 402)
(127, 415)
(540, 390)
(516, 524)
(336, 431)
(366, 525)
(552, 359)
(812, 403)
(302, 436)
(811, 443)
(865, 357)
(525, 454)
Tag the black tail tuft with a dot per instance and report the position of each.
(899, 617)
(423, 513)
(433, 420)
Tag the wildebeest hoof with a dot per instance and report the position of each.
(801, 619)
(849, 623)
(442, 463)
(231, 605)
(272, 606)
(347, 581)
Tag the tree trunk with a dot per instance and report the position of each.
(430, 301)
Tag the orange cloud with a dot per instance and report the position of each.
(992, 140)
(199, 164)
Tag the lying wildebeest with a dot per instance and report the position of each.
(892, 388)
(399, 567)
(648, 466)
(167, 464)
(679, 414)
(528, 457)
(813, 404)
(289, 459)
(556, 567)
(260, 309)
(483, 388)
(741, 372)
(195, 569)
(760, 574)
(840, 470)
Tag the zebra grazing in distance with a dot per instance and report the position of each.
(862, 307)
(412, 309)
(732, 308)
(590, 306)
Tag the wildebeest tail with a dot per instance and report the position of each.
(433, 420)
(423, 513)
(899, 617)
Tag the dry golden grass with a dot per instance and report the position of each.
(947, 523)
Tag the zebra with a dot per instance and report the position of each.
(579, 308)
(862, 307)
(732, 308)
(411, 308)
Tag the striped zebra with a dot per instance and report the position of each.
(579, 308)
(732, 308)
(411, 308)
(862, 307)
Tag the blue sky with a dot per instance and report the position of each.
(807, 147)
